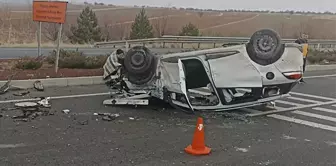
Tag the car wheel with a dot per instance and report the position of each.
(141, 79)
(138, 60)
(265, 47)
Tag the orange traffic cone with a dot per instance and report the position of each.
(198, 144)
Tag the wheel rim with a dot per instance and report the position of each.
(138, 59)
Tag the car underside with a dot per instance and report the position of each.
(245, 75)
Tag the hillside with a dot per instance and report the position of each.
(17, 26)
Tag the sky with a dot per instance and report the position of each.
(297, 5)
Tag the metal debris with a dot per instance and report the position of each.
(21, 93)
(30, 111)
(66, 111)
(6, 86)
(241, 149)
(108, 116)
(38, 86)
(22, 120)
(45, 102)
(84, 122)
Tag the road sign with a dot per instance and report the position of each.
(49, 11)
(52, 12)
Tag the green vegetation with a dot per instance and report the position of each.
(87, 29)
(189, 30)
(141, 28)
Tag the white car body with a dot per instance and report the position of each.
(220, 78)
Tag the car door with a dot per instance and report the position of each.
(182, 82)
(233, 70)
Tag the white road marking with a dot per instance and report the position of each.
(328, 118)
(302, 99)
(303, 122)
(5, 146)
(291, 108)
(321, 76)
(324, 110)
(55, 97)
(288, 103)
(288, 137)
(298, 121)
(313, 96)
(331, 143)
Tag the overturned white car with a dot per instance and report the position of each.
(258, 72)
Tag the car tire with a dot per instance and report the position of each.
(138, 60)
(141, 79)
(265, 47)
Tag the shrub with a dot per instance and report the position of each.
(94, 62)
(190, 30)
(28, 63)
(77, 60)
(316, 57)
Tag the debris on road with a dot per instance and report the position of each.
(108, 116)
(8, 109)
(241, 149)
(287, 137)
(234, 116)
(31, 110)
(66, 111)
(21, 93)
(38, 86)
(45, 102)
(21, 120)
(84, 122)
(131, 118)
(4, 88)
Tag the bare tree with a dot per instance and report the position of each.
(117, 31)
(50, 31)
(6, 20)
(106, 29)
(160, 24)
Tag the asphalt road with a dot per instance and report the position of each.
(13, 53)
(158, 134)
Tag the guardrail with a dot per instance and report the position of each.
(313, 43)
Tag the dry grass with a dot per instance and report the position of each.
(21, 31)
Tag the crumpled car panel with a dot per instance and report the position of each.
(234, 71)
